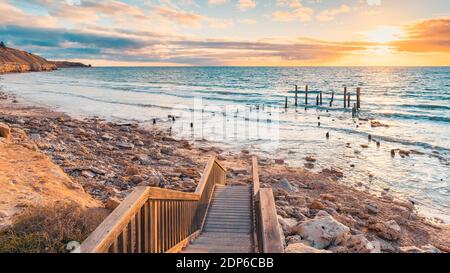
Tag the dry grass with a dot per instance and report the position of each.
(48, 229)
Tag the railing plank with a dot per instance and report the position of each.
(270, 232)
(105, 234)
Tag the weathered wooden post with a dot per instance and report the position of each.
(320, 94)
(358, 98)
(306, 94)
(285, 104)
(332, 98)
(345, 97)
(317, 100)
(296, 95)
(348, 99)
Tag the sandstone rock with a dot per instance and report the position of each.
(389, 230)
(136, 179)
(358, 244)
(5, 131)
(302, 248)
(286, 224)
(131, 170)
(321, 232)
(316, 204)
(112, 203)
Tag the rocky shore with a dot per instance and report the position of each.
(316, 213)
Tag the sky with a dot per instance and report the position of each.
(231, 32)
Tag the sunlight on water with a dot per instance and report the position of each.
(244, 108)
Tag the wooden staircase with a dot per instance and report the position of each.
(216, 218)
(229, 226)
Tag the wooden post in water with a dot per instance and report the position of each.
(296, 95)
(306, 94)
(317, 100)
(320, 94)
(345, 97)
(348, 99)
(332, 98)
(358, 98)
(285, 104)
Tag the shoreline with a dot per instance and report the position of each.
(109, 159)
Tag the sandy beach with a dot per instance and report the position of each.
(105, 161)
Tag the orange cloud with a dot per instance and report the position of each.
(426, 36)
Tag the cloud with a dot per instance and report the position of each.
(244, 5)
(147, 47)
(181, 17)
(217, 2)
(298, 12)
(330, 14)
(425, 36)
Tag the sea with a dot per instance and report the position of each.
(239, 108)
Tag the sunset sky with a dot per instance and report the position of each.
(231, 32)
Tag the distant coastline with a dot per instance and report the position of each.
(18, 61)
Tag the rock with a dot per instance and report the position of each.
(424, 249)
(286, 224)
(309, 165)
(106, 137)
(316, 204)
(321, 232)
(310, 159)
(124, 145)
(136, 179)
(404, 153)
(372, 209)
(5, 131)
(112, 203)
(388, 230)
(358, 244)
(375, 124)
(285, 185)
(164, 162)
(88, 174)
(302, 248)
(279, 161)
(131, 170)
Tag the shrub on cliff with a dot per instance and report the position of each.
(48, 229)
(2, 44)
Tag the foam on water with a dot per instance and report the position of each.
(414, 102)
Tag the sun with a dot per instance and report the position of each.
(384, 34)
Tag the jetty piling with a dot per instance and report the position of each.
(317, 100)
(286, 103)
(320, 96)
(345, 97)
(306, 95)
(348, 99)
(358, 98)
(296, 95)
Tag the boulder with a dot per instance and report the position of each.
(285, 185)
(322, 231)
(358, 244)
(286, 224)
(316, 204)
(302, 248)
(5, 131)
(125, 145)
(112, 203)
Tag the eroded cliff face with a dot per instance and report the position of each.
(14, 60)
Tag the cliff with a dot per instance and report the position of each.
(64, 64)
(14, 60)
